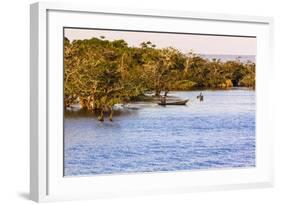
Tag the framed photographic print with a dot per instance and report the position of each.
(128, 102)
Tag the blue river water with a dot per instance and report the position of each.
(216, 133)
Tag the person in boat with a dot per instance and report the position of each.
(200, 97)
(163, 100)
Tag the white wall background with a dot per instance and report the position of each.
(14, 102)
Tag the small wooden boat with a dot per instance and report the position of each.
(183, 102)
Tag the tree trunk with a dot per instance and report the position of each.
(111, 114)
(101, 116)
(157, 92)
(83, 103)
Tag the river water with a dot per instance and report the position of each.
(216, 133)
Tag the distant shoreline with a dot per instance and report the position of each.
(224, 58)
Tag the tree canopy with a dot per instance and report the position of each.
(99, 73)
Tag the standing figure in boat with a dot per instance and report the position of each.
(163, 100)
(200, 97)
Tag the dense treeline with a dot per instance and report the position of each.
(99, 73)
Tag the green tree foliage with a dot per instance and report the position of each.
(99, 73)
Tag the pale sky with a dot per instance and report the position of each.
(202, 44)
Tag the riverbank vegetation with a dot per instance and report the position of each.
(99, 73)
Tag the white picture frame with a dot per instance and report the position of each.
(46, 179)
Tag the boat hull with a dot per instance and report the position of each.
(174, 103)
